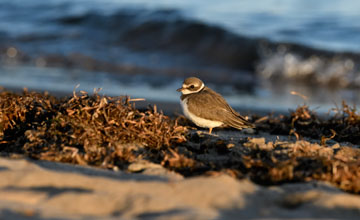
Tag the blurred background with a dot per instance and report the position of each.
(253, 52)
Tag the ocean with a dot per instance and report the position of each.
(256, 53)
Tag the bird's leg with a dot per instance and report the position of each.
(210, 130)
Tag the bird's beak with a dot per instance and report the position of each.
(180, 89)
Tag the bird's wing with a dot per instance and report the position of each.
(212, 106)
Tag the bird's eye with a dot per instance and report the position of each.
(192, 86)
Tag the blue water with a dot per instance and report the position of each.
(33, 27)
(326, 24)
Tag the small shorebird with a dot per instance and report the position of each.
(208, 109)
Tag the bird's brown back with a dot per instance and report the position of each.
(210, 105)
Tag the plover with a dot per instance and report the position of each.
(208, 109)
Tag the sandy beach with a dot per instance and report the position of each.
(177, 172)
(49, 190)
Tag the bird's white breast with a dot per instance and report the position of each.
(201, 122)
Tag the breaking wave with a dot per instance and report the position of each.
(134, 35)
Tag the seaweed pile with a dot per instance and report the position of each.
(83, 129)
(109, 132)
(271, 163)
(343, 126)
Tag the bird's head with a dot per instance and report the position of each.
(191, 85)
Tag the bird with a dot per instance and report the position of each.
(207, 108)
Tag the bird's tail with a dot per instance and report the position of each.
(239, 122)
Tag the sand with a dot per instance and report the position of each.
(40, 189)
(226, 165)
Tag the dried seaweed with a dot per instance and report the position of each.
(269, 163)
(344, 125)
(109, 132)
(82, 129)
